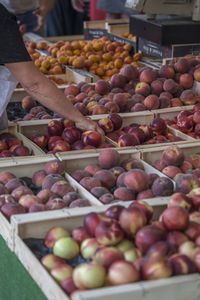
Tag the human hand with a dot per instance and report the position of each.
(40, 14)
(78, 5)
(87, 124)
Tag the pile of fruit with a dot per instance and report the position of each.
(188, 121)
(123, 246)
(99, 56)
(46, 64)
(128, 36)
(135, 134)
(134, 90)
(46, 190)
(12, 146)
(62, 135)
(109, 180)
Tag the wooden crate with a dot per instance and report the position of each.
(54, 39)
(12, 129)
(171, 112)
(74, 163)
(25, 167)
(177, 288)
(29, 128)
(117, 28)
(156, 153)
(144, 118)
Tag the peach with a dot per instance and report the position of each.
(50, 179)
(80, 174)
(182, 65)
(118, 81)
(117, 171)
(106, 256)
(158, 126)
(142, 88)
(124, 194)
(106, 178)
(70, 197)
(175, 218)
(37, 207)
(50, 261)
(99, 110)
(108, 158)
(78, 145)
(21, 151)
(6, 198)
(147, 236)
(136, 179)
(126, 140)
(188, 97)
(122, 272)
(120, 99)
(159, 164)
(176, 102)
(108, 233)
(164, 102)
(38, 177)
(116, 120)
(193, 230)
(107, 198)
(79, 234)
(162, 186)
(99, 191)
(106, 124)
(61, 188)
(152, 102)
(40, 139)
(170, 86)
(113, 212)
(44, 195)
(91, 221)
(88, 183)
(156, 87)
(145, 207)
(71, 90)
(146, 194)
(166, 72)
(173, 156)
(9, 209)
(186, 166)
(194, 159)
(130, 72)
(102, 87)
(186, 80)
(27, 200)
(171, 171)
(91, 138)
(20, 191)
(112, 107)
(92, 169)
(156, 268)
(151, 178)
(196, 74)
(147, 76)
(182, 264)
(13, 184)
(96, 275)
(138, 133)
(186, 182)
(55, 128)
(175, 239)
(120, 180)
(131, 219)
(79, 203)
(54, 167)
(71, 135)
(180, 199)
(55, 203)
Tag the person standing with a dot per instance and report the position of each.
(31, 13)
(16, 66)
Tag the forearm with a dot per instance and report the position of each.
(46, 6)
(42, 89)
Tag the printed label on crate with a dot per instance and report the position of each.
(181, 50)
(154, 49)
(93, 33)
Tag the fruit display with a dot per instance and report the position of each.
(134, 134)
(133, 90)
(120, 246)
(188, 121)
(99, 56)
(48, 189)
(113, 178)
(62, 135)
(128, 36)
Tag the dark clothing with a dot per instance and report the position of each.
(64, 20)
(12, 48)
(114, 6)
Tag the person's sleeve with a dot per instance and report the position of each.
(12, 48)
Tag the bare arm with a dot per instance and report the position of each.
(42, 89)
(41, 13)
